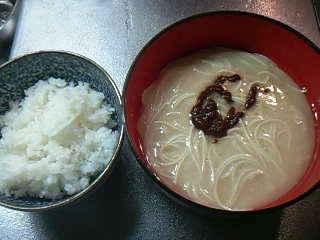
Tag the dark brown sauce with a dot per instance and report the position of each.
(205, 115)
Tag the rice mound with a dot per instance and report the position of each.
(53, 141)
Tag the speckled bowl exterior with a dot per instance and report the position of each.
(23, 72)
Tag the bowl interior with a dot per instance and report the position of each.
(249, 32)
(23, 72)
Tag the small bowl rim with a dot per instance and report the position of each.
(106, 172)
(162, 187)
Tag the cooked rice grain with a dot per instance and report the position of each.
(56, 139)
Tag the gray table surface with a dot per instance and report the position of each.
(128, 205)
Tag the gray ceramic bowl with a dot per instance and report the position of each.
(21, 73)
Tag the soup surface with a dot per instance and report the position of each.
(255, 161)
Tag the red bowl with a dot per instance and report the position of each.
(293, 53)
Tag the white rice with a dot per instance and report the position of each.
(54, 140)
